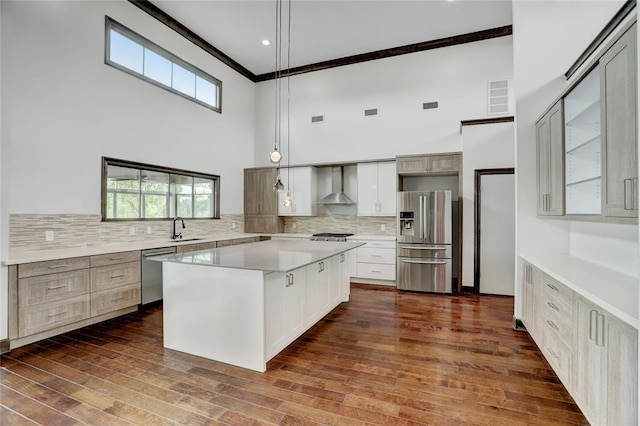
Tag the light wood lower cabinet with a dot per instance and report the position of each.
(594, 354)
(184, 248)
(52, 297)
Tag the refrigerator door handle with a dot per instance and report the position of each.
(421, 217)
(423, 248)
(427, 262)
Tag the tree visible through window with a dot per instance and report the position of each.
(137, 191)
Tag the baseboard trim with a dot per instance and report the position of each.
(4, 346)
(518, 325)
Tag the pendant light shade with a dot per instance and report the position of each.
(275, 156)
(278, 186)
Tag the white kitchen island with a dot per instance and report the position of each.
(243, 304)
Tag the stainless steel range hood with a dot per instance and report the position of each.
(337, 195)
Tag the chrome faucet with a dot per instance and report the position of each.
(175, 236)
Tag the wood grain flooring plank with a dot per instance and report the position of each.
(385, 357)
(10, 417)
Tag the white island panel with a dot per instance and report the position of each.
(215, 313)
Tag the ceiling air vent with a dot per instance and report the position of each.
(430, 105)
(372, 111)
(317, 119)
(498, 97)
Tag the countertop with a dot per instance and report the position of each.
(44, 255)
(280, 255)
(613, 291)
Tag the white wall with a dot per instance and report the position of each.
(63, 109)
(487, 146)
(548, 37)
(455, 76)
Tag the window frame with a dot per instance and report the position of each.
(147, 44)
(107, 161)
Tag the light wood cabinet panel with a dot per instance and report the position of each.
(107, 277)
(185, 248)
(622, 373)
(436, 163)
(619, 131)
(45, 316)
(550, 162)
(557, 353)
(52, 266)
(111, 300)
(236, 241)
(115, 258)
(531, 302)
(51, 287)
(261, 201)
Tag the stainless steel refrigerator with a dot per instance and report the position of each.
(424, 241)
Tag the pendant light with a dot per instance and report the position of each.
(288, 202)
(275, 156)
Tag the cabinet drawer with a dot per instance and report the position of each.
(379, 272)
(558, 354)
(51, 266)
(115, 258)
(237, 241)
(106, 277)
(37, 318)
(51, 287)
(557, 297)
(106, 301)
(379, 244)
(562, 329)
(376, 255)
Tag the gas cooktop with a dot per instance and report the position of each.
(330, 236)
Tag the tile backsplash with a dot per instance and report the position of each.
(27, 232)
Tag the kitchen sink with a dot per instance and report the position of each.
(180, 240)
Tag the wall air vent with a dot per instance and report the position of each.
(498, 97)
(317, 119)
(430, 105)
(372, 111)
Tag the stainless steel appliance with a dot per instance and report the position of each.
(152, 274)
(424, 241)
(329, 236)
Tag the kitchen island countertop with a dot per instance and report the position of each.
(267, 256)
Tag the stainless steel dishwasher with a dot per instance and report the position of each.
(152, 274)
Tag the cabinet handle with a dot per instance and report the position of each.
(376, 270)
(552, 287)
(552, 306)
(553, 325)
(544, 202)
(57, 266)
(628, 193)
(117, 298)
(117, 276)
(342, 258)
(553, 354)
(58, 314)
(376, 255)
(592, 325)
(527, 274)
(600, 330)
(56, 287)
(113, 259)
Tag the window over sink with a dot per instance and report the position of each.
(136, 191)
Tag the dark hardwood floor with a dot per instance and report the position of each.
(383, 358)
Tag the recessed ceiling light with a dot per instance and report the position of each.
(266, 42)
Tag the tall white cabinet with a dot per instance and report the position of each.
(377, 188)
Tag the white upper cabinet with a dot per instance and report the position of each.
(302, 182)
(377, 189)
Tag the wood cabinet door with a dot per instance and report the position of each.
(412, 165)
(619, 128)
(622, 373)
(550, 162)
(252, 191)
(590, 366)
(268, 197)
(443, 163)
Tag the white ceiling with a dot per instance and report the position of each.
(328, 29)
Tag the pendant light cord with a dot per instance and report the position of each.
(277, 73)
(289, 96)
